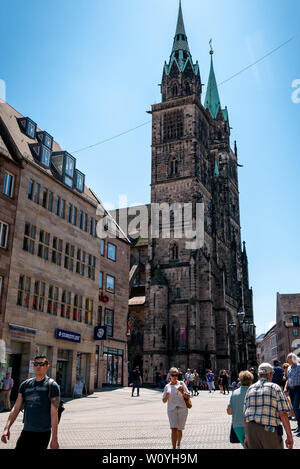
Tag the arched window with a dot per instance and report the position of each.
(174, 90)
(173, 167)
(174, 252)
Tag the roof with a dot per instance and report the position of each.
(212, 99)
(137, 300)
(9, 116)
(180, 43)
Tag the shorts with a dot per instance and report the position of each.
(33, 441)
(177, 417)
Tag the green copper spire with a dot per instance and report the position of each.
(212, 99)
(180, 40)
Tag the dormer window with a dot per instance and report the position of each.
(45, 138)
(41, 153)
(46, 156)
(64, 165)
(79, 180)
(27, 126)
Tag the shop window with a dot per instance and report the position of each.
(111, 251)
(88, 311)
(3, 235)
(80, 264)
(69, 256)
(110, 283)
(43, 248)
(57, 246)
(109, 321)
(8, 184)
(24, 291)
(29, 238)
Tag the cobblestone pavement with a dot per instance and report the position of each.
(112, 419)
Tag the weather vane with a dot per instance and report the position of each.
(211, 49)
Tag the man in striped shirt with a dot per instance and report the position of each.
(265, 409)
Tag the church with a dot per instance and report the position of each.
(191, 307)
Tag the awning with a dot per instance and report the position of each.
(137, 300)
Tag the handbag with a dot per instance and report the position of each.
(233, 438)
(188, 402)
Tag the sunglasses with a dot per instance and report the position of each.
(174, 375)
(40, 363)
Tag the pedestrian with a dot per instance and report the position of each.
(189, 380)
(196, 380)
(265, 409)
(236, 405)
(180, 377)
(253, 371)
(292, 386)
(278, 373)
(174, 394)
(136, 380)
(210, 380)
(41, 400)
(220, 382)
(225, 381)
(6, 390)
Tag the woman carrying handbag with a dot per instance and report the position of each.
(178, 398)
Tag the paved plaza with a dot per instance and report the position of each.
(112, 419)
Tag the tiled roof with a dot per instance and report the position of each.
(9, 115)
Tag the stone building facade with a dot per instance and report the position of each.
(57, 267)
(288, 325)
(193, 295)
(268, 350)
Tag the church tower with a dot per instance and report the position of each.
(193, 295)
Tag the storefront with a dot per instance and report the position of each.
(113, 367)
(63, 374)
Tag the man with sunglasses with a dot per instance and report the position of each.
(41, 402)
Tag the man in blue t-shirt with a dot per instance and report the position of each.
(277, 373)
(210, 380)
(41, 401)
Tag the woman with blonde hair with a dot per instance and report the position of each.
(174, 394)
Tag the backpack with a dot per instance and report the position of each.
(61, 403)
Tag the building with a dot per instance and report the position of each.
(268, 346)
(259, 340)
(287, 325)
(56, 275)
(186, 306)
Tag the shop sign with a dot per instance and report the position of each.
(67, 335)
(21, 332)
(100, 332)
(103, 298)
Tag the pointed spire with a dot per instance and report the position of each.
(212, 99)
(180, 40)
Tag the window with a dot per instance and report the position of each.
(88, 311)
(70, 163)
(80, 264)
(38, 296)
(3, 235)
(178, 293)
(77, 310)
(90, 270)
(55, 302)
(68, 305)
(30, 128)
(80, 220)
(101, 280)
(69, 257)
(30, 189)
(57, 205)
(174, 252)
(295, 320)
(110, 283)
(102, 247)
(57, 246)
(1, 283)
(8, 184)
(79, 181)
(111, 251)
(29, 238)
(36, 195)
(43, 249)
(85, 221)
(45, 197)
(174, 167)
(74, 215)
(24, 291)
(295, 332)
(95, 229)
(62, 208)
(70, 213)
(63, 304)
(50, 202)
(50, 299)
(45, 156)
(173, 125)
(91, 226)
(109, 321)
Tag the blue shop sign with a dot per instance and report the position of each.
(67, 335)
(100, 332)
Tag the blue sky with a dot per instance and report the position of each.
(85, 70)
